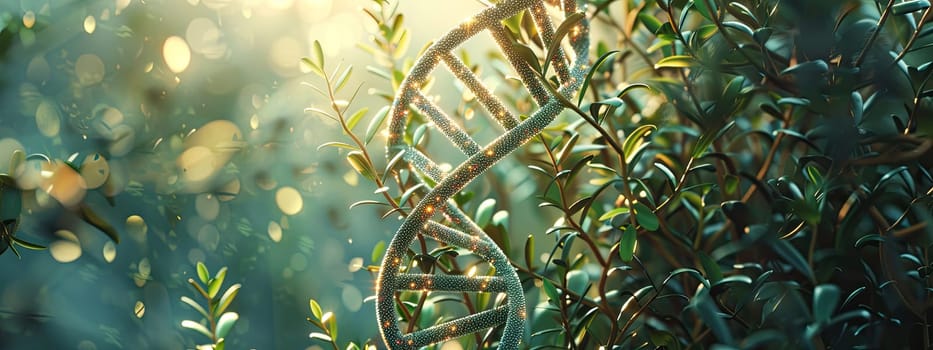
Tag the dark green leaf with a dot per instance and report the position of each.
(909, 6)
(529, 250)
(706, 309)
(668, 174)
(589, 75)
(484, 212)
(627, 244)
(790, 254)
(651, 22)
(646, 217)
(809, 68)
(713, 273)
(825, 298)
(528, 55)
(551, 291)
(707, 8)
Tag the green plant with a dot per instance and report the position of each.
(216, 321)
(745, 174)
(326, 322)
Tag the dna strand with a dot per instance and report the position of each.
(457, 229)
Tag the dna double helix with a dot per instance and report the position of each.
(456, 228)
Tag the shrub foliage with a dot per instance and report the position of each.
(734, 174)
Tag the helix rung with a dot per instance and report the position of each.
(450, 283)
(456, 328)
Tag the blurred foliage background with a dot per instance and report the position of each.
(184, 120)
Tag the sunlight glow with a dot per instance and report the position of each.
(176, 53)
(90, 24)
(289, 200)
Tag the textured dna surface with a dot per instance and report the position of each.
(436, 216)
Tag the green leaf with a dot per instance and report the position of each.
(194, 305)
(790, 254)
(873, 238)
(320, 336)
(650, 21)
(27, 245)
(713, 273)
(316, 309)
(342, 79)
(359, 163)
(221, 274)
(551, 291)
(318, 55)
(559, 34)
(731, 183)
(634, 140)
(375, 124)
(707, 8)
(692, 272)
(668, 174)
(213, 287)
(203, 275)
(197, 327)
(529, 250)
(528, 55)
(906, 7)
(740, 27)
(646, 217)
(825, 298)
(613, 213)
(418, 135)
(678, 61)
(227, 298)
(577, 281)
(627, 244)
(336, 144)
(809, 68)
(742, 12)
(706, 309)
(484, 212)
(225, 323)
(356, 117)
(589, 75)
(309, 63)
(568, 148)
(378, 250)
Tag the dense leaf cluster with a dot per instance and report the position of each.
(734, 174)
